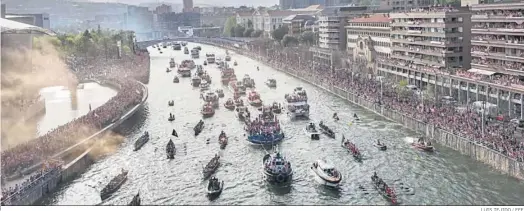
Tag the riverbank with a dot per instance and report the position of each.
(467, 147)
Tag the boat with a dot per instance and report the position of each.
(240, 88)
(135, 201)
(205, 63)
(239, 102)
(300, 92)
(206, 77)
(161, 52)
(212, 97)
(168, 70)
(184, 71)
(200, 70)
(199, 48)
(235, 63)
(172, 63)
(170, 149)
(423, 145)
(141, 141)
(204, 86)
(177, 46)
(384, 190)
(186, 50)
(311, 131)
(214, 188)
(326, 130)
(195, 81)
(113, 185)
(242, 113)
(298, 109)
(380, 146)
(183, 43)
(210, 58)
(276, 108)
(220, 93)
(211, 167)
(171, 117)
(326, 174)
(352, 148)
(248, 81)
(171, 103)
(222, 140)
(271, 83)
(230, 104)
(227, 75)
(335, 117)
(254, 99)
(198, 127)
(228, 58)
(277, 170)
(176, 80)
(208, 110)
(195, 53)
(188, 63)
(268, 133)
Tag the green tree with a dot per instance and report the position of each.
(257, 33)
(401, 88)
(231, 22)
(248, 32)
(249, 24)
(239, 31)
(288, 40)
(307, 37)
(278, 34)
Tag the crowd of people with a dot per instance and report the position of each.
(123, 72)
(263, 125)
(499, 136)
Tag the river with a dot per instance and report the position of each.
(442, 178)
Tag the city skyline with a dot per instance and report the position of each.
(235, 3)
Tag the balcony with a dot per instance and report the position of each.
(328, 35)
(495, 18)
(439, 53)
(427, 24)
(418, 60)
(329, 41)
(328, 30)
(498, 56)
(498, 43)
(427, 34)
(497, 31)
(428, 43)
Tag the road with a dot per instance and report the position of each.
(442, 178)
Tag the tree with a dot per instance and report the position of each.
(278, 34)
(231, 22)
(257, 33)
(307, 37)
(289, 40)
(401, 88)
(232, 31)
(249, 24)
(248, 32)
(239, 31)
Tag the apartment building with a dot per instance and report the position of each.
(368, 38)
(243, 18)
(297, 24)
(331, 22)
(404, 5)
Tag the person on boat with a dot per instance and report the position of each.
(335, 116)
(146, 133)
(355, 116)
(222, 133)
(258, 68)
(321, 123)
(311, 126)
(378, 143)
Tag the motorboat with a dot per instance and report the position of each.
(423, 145)
(198, 127)
(206, 77)
(326, 174)
(299, 109)
(172, 63)
(205, 63)
(171, 103)
(326, 130)
(239, 102)
(208, 110)
(186, 50)
(214, 188)
(276, 108)
(254, 99)
(277, 169)
(248, 81)
(235, 63)
(176, 79)
(240, 87)
(195, 53)
(199, 48)
(200, 70)
(113, 185)
(184, 71)
(171, 117)
(211, 167)
(300, 92)
(170, 149)
(212, 97)
(183, 43)
(177, 46)
(222, 140)
(195, 81)
(311, 131)
(380, 146)
(242, 113)
(228, 58)
(220, 93)
(141, 141)
(268, 133)
(135, 201)
(384, 190)
(188, 63)
(204, 86)
(230, 104)
(352, 148)
(271, 83)
(210, 58)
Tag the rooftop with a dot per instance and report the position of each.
(372, 19)
(245, 14)
(13, 27)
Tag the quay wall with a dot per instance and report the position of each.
(470, 148)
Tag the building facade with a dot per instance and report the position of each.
(163, 9)
(188, 6)
(40, 20)
(297, 24)
(243, 18)
(368, 38)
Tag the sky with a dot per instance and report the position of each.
(235, 3)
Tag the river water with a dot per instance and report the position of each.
(442, 178)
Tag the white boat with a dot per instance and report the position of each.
(210, 58)
(312, 131)
(241, 88)
(326, 174)
(212, 97)
(298, 109)
(195, 54)
(204, 86)
(195, 81)
(228, 58)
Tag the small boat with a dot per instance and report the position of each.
(228, 58)
(254, 99)
(183, 43)
(242, 113)
(239, 102)
(276, 108)
(384, 190)
(199, 127)
(161, 52)
(248, 81)
(220, 93)
(171, 117)
(235, 63)
(311, 131)
(222, 140)
(172, 63)
(186, 50)
(170, 149)
(171, 103)
(230, 104)
(214, 188)
(200, 70)
(326, 130)
(423, 145)
(199, 48)
(350, 147)
(208, 110)
(205, 63)
(277, 170)
(211, 167)
(206, 77)
(135, 201)
(113, 185)
(326, 174)
(176, 79)
(335, 117)
(204, 86)
(195, 81)
(380, 146)
(168, 70)
(141, 141)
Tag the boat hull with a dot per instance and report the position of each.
(380, 147)
(265, 140)
(229, 107)
(113, 190)
(185, 74)
(423, 147)
(256, 103)
(324, 182)
(208, 114)
(278, 179)
(215, 193)
(312, 135)
(298, 114)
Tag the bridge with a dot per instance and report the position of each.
(237, 40)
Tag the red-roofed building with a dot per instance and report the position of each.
(368, 37)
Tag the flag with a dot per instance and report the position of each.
(174, 133)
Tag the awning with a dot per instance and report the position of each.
(13, 27)
(482, 72)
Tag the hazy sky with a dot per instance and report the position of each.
(209, 2)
